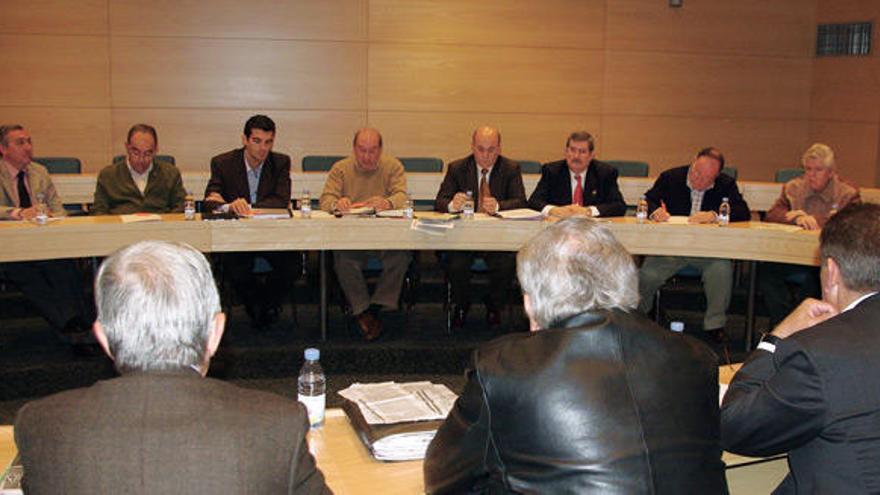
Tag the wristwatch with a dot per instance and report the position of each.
(768, 342)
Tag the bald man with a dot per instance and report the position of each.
(496, 183)
(368, 178)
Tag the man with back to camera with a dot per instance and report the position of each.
(595, 398)
(695, 191)
(578, 185)
(811, 388)
(54, 287)
(807, 201)
(140, 182)
(254, 176)
(496, 184)
(162, 427)
(370, 179)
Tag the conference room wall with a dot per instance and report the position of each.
(845, 106)
(628, 70)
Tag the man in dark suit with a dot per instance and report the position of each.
(496, 184)
(695, 191)
(162, 427)
(250, 177)
(578, 185)
(595, 399)
(811, 389)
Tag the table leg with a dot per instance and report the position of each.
(322, 270)
(750, 306)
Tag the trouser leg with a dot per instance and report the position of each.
(394, 266)
(502, 267)
(53, 287)
(459, 272)
(349, 267)
(718, 283)
(774, 290)
(655, 271)
(279, 281)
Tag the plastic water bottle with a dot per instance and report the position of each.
(677, 326)
(642, 209)
(305, 205)
(189, 207)
(408, 206)
(467, 211)
(311, 387)
(724, 212)
(42, 211)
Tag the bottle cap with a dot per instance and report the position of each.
(677, 326)
(312, 354)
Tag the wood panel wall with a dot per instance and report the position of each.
(653, 83)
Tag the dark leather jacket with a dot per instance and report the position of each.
(607, 403)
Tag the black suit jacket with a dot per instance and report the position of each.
(671, 187)
(600, 188)
(607, 402)
(229, 179)
(816, 397)
(166, 433)
(505, 183)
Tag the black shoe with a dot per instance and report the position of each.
(459, 315)
(716, 335)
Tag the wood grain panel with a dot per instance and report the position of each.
(83, 133)
(54, 17)
(263, 19)
(706, 86)
(484, 79)
(551, 23)
(855, 148)
(194, 136)
(846, 88)
(757, 148)
(780, 27)
(56, 71)
(196, 73)
(448, 135)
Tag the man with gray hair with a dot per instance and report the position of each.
(595, 398)
(162, 427)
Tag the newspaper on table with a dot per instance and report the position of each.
(397, 421)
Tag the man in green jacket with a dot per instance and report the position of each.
(140, 183)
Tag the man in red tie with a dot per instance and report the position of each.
(578, 185)
(496, 184)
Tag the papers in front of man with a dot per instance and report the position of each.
(268, 213)
(784, 227)
(140, 217)
(520, 214)
(397, 421)
(10, 483)
(361, 211)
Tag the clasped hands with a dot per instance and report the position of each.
(570, 211)
(488, 205)
(377, 203)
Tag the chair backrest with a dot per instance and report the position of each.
(161, 158)
(60, 164)
(629, 168)
(730, 171)
(786, 174)
(529, 166)
(422, 164)
(319, 163)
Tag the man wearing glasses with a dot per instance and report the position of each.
(139, 183)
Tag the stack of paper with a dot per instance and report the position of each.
(140, 217)
(520, 214)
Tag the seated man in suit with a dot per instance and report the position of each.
(811, 388)
(371, 179)
(595, 399)
(696, 191)
(578, 185)
(54, 287)
(496, 184)
(140, 182)
(254, 176)
(162, 427)
(807, 201)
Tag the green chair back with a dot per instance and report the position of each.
(319, 163)
(730, 171)
(161, 158)
(786, 174)
(422, 164)
(529, 166)
(630, 168)
(60, 164)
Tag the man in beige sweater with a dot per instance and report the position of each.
(367, 179)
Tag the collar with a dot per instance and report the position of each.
(247, 164)
(12, 169)
(583, 174)
(587, 318)
(857, 301)
(827, 194)
(135, 173)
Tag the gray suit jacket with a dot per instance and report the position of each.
(166, 433)
(39, 181)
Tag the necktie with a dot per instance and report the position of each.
(578, 198)
(24, 199)
(484, 188)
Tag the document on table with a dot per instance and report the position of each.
(268, 214)
(140, 217)
(520, 214)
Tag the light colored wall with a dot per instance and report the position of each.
(651, 82)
